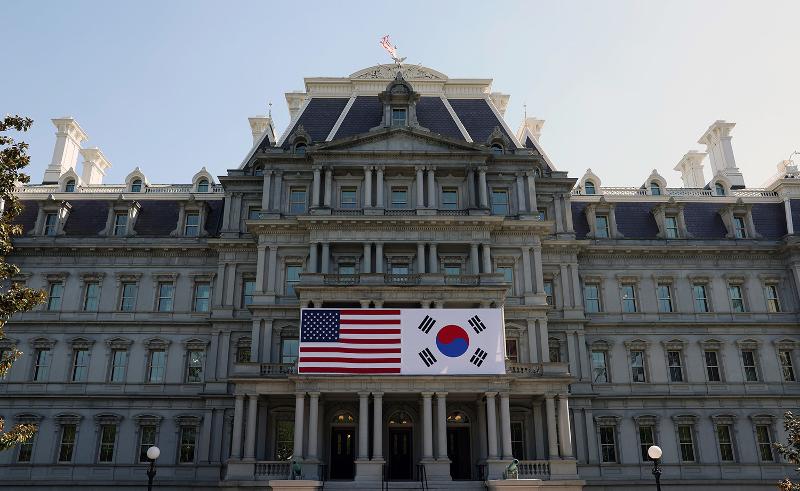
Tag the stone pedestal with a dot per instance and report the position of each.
(238, 470)
(534, 485)
(369, 470)
(373, 211)
(310, 469)
(437, 470)
(298, 485)
(496, 468)
(563, 469)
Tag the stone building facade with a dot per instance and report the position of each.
(633, 316)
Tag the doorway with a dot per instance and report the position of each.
(401, 450)
(342, 453)
(459, 452)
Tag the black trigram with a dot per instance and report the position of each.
(427, 357)
(477, 324)
(426, 325)
(478, 357)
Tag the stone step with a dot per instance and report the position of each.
(406, 485)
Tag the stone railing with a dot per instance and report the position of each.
(119, 189)
(278, 369)
(399, 213)
(401, 279)
(273, 469)
(523, 369)
(347, 212)
(534, 469)
(342, 279)
(452, 213)
(462, 279)
(624, 191)
(389, 279)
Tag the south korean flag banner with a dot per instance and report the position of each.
(453, 342)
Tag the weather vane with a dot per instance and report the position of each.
(392, 50)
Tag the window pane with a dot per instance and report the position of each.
(712, 366)
(398, 116)
(499, 202)
(737, 301)
(348, 198)
(248, 289)
(518, 440)
(165, 295)
(192, 226)
(108, 435)
(80, 365)
(67, 443)
(56, 292)
(637, 366)
(601, 226)
(128, 300)
(284, 439)
(156, 369)
(91, 299)
(188, 441)
(449, 199)
(25, 453)
(42, 367)
(675, 366)
(686, 440)
(764, 437)
(50, 224)
(749, 363)
(147, 439)
(591, 294)
(725, 443)
(399, 197)
(646, 440)
(289, 350)
(202, 296)
(671, 227)
(119, 362)
(512, 352)
(194, 366)
(787, 368)
(297, 201)
(120, 224)
(700, 298)
(292, 278)
(664, 298)
(608, 444)
(599, 366)
(629, 298)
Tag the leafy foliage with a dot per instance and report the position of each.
(791, 450)
(16, 298)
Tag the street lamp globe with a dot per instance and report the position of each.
(154, 452)
(654, 452)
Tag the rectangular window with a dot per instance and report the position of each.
(785, 357)
(147, 439)
(518, 440)
(289, 350)
(664, 292)
(675, 366)
(398, 116)
(686, 441)
(646, 440)
(26, 449)
(243, 354)
(591, 296)
(737, 301)
(253, 213)
(202, 296)
(194, 366)
(347, 198)
(600, 372)
(764, 437)
(608, 443)
(554, 350)
(191, 227)
(725, 443)
(508, 275)
(347, 268)
(155, 366)
(629, 298)
(449, 198)
(91, 296)
(127, 301)
(120, 223)
(50, 223)
(452, 269)
(700, 298)
(284, 439)
(512, 350)
(80, 365)
(166, 292)
(67, 444)
(399, 197)
(119, 364)
(248, 289)
(773, 303)
(671, 227)
(55, 292)
(637, 367)
(712, 366)
(601, 227)
(188, 444)
(548, 291)
(401, 269)
(500, 202)
(292, 278)
(749, 365)
(297, 201)
(42, 366)
(542, 214)
(739, 230)
(108, 436)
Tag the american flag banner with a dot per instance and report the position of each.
(402, 341)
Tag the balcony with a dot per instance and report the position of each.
(388, 279)
(513, 368)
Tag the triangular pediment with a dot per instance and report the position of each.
(399, 140)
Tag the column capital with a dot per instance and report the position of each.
(430, 167)
(549, 396)
(369, 168)
(519, 174)
(419, 168)
(377, 395)
(482, 168)
(504, 395)
(253, 396)
(313, 395)
(490, 395)
(441, 394)
(316, 167)
(426, 395)
(363, 394)
(239, 397)
(300, 395)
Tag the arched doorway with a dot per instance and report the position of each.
(343, 443)
(458, 445)
(401, 446)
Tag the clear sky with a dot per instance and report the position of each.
(624, 86)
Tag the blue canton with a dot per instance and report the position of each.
(319, 326)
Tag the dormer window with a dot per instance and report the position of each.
(202, 186)
(655, 189)
(191, 227)
(136, 186)
(120, 223)
(588, 187)
(51, 224)
(300, 149)
(258, 170)
(719, 189)
(739, 228)
(70, 186)
(497, 149)
(399, 116)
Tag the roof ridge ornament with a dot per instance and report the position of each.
(392, 50)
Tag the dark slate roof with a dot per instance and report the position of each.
(703, 220)
(27, 218)
(770, 220)
(157, 218)
(579, 222)
(634, 220)
(795, 212)
(319, 117)
(364, 114)
(432, 114)
(529, 143)
(477, 117)
(86, 218)
(214, 218)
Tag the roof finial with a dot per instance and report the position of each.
(525, 110)
(392, 50)
(270, 110)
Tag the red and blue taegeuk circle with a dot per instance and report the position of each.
(452, 341)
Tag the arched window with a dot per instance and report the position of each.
(588, 187)
(343, 418)
(655, 189)
(497, 149)
(202, 186)
(300, 149)
(136, 186)
(70, 186)
(537, 172)
(258, 170)
(400, 418)
(457, 417)
(719, 189)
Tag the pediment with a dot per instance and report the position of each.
(399, 140)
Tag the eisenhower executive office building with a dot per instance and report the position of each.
(633, 316)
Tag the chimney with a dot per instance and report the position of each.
(500, 101)
(717, 140)
(69, 136)
(691, 169)
(260, 124)
(94, 166)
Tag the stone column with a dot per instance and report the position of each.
(250, 433)
(255, 340)
(261, 266)
(315, 187)
(272, 273)
(567, 212)
(471, 188)
(427, 426)
(276, 194)
(366, 267)
(532, 192)
(552, 439)
(368, 187)
(266, 356)
(787, 207)
(491, 424)
(539, 428)
(482, 188)
(441, 425)
(563, 426)
(473, 259)
(483, 452)
(238, 417)
(433, 258)
(420, 257)
(379, 257)
(299, 406)
(487, 259)
(312, 257)
(377, 426)
(379, 188)
(313, 424)
(363, 425)
(328, 187)
(521, 193)
(432, 203)
(505, 425)
(537, 262)
(526, 266)
(265, 190)
(326, 258)
(533, 342)
(420, 188)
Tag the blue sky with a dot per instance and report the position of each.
(624, 86)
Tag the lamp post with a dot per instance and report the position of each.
(654, 452)
(152, 454)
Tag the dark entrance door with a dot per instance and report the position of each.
(342, 453)
(458, 452)
(400, 454)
